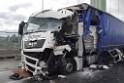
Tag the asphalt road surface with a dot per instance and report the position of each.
(114, 75)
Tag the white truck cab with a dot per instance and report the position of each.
(45, 50)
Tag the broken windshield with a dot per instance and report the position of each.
(42, 24)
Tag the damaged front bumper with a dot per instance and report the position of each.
(34, 67)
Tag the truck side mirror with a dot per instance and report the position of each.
(21, 26)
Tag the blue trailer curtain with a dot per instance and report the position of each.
(85, 17)
(110, 29)
(114, 29)
(87, 20)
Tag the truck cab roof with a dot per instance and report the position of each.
(53, 14)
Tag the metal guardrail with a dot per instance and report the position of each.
(9, 44)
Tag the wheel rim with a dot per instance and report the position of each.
(69, 67)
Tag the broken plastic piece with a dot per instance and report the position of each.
(16, 76)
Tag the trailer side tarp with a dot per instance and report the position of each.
(114, 33)
(110, 30)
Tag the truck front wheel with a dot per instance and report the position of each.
(69, 66)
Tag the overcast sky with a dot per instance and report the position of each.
(116, 8)
(14, 11)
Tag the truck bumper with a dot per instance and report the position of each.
(33, 68)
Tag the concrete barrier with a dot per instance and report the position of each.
(6, 53)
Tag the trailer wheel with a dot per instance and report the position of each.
(69, 66)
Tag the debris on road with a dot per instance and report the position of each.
(61, 76)
(52, 81)
(19, 74)
(101, 67)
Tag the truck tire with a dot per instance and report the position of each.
(69, 66)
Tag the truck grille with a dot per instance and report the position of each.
(34, 44)
(31, 61)
(30, 68)
(33, 54)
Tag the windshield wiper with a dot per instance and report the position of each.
(40, 31)
(28, 32)
(33, 32)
